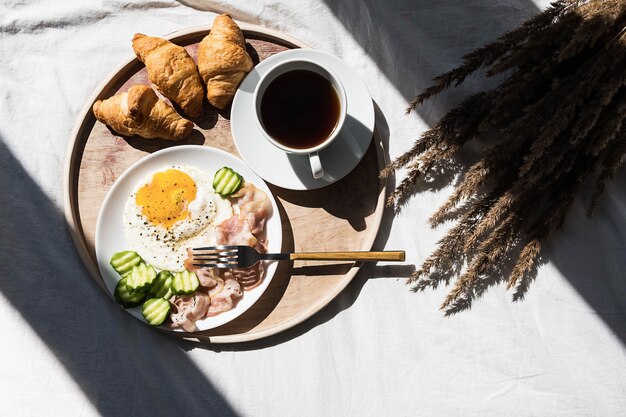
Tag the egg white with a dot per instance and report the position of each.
(166, 248)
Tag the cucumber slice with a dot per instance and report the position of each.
(226, 181)
(233, 185)
(140, 278)
(162, 285)
(125, 297)
(185, 283)
(155, 311)
(123, 262)
(219, 175)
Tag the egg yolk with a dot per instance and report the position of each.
(165, 199)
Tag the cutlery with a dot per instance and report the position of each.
(246, 256)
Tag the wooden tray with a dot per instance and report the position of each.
(343, 216)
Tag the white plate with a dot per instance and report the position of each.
(293, 171)
(109, 227)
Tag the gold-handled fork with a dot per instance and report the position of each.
(246, 256)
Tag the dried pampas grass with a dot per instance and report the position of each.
(559, 119)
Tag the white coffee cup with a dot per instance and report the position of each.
(302, 64)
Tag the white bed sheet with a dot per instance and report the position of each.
(378, 349)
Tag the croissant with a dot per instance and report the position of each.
(223, 61)
(172, 71)
(140, 112)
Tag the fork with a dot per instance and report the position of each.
(246, 256)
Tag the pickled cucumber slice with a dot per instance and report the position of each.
(185, 283)
(226, 181)
(125, 297)
(162, 285)
(155, 311)
(123, 262)
(140, 278)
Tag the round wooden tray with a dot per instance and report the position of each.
(342, 216)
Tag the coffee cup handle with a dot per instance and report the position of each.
(316, 165)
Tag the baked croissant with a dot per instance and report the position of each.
(223, 61)
(140, 112)
(172, 71)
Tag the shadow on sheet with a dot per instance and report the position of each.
(122, 366)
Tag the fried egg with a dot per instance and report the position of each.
(170, 211)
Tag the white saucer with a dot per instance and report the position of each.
(293, 171)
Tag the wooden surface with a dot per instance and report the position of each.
(341, 217)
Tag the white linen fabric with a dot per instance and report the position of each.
(378, 349)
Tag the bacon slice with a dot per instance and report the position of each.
(249, 278)
(189, 309)
(219, 285)
(261, 245)
(235, 231)
(254, 206)
(206, 276)
(225, 299)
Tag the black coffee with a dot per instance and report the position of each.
(300, 109)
